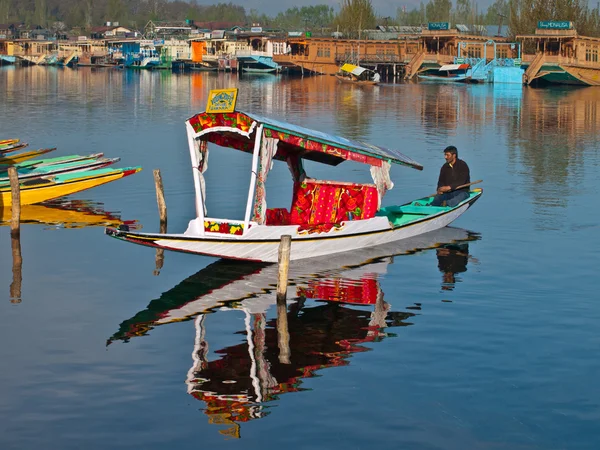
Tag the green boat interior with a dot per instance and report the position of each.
(417, 210)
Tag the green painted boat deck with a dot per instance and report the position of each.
(417, 210)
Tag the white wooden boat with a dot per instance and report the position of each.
(325, 217)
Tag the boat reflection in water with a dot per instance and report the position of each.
(349, 310)
(66, 213)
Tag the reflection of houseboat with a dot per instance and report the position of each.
(561, 55)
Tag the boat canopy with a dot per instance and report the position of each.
(454, 67)
(354, 70)
(235, 130)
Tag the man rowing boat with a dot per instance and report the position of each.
(454, 173)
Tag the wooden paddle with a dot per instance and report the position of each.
(459, 187)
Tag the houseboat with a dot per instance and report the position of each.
(557, 54)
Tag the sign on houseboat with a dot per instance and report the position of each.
(555, 25)
(438, 26)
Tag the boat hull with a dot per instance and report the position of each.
(263, 245)
(49, 189)
(347, 80)
(16, 158)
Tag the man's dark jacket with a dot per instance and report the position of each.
(454, 176)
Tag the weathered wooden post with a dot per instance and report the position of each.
(283, 334)
(15, 190)
(15, 286)
(285, 246)
(15, 235)
(162, 211)
(160, 198)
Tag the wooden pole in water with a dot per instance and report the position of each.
(15, 190)
(160, 198)
(15, 286)
(283, 334)
(162, 211)
(285, 246)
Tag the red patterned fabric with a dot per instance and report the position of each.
(237, 120)
(362, 292)
(317, 202)
(277, 216)
(316, 146)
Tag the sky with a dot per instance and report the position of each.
(382, 7)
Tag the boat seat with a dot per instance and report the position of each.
(328, 202)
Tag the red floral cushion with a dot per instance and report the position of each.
(316, 202)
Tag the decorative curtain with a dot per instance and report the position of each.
(202, 155)
(381, 178)
(265, 163)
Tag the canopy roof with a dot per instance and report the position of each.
(354, 70)
(236, 130)
(455, 67)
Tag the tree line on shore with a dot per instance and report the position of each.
(521, 16)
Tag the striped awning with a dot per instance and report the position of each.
(354, 70)
(454, 67)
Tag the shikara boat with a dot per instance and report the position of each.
(12, 147)
(38, 190)
(56, 166)
(357, 75)
(8, 142)
(449, 73)
(16, 157)
(325, 216)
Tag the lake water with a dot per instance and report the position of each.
(488, 342)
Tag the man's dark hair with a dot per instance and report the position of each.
(451, 149)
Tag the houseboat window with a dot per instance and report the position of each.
(502, 52)
(474, 52)
(591, 54)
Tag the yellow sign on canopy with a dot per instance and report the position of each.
(221, 100)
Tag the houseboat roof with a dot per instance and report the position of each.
(234, 130)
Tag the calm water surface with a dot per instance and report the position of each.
(488, 342)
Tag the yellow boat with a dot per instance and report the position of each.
(7, 142)
(66, 213)
(38, 190)
(16, 158)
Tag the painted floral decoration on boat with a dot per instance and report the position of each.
(319, 228)
(205, 120)
(224, 227)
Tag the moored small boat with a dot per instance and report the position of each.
(40, 189)
(13, 147)
(8, 142)
(55, 166)
(17, 157)
(449, 73)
